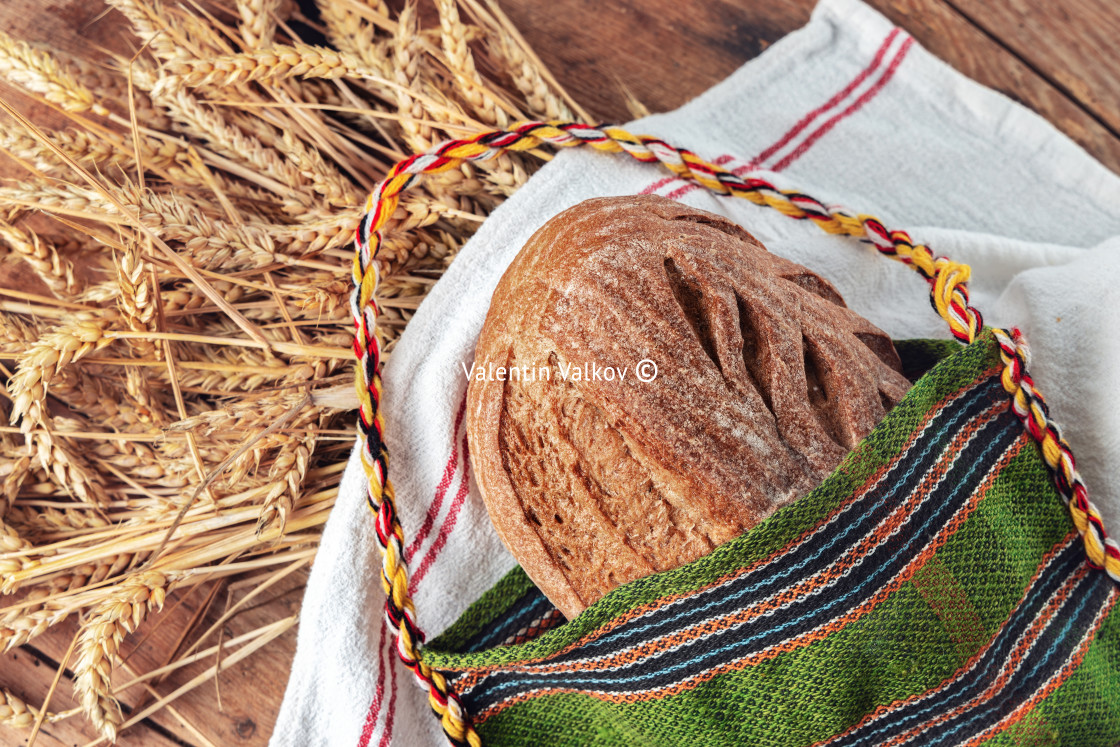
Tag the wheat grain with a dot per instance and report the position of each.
(24, 624)
(28, 388)
(406, 55)
(15, 466)
(348, 31)
(323, 177)
(135, 300)
(47, 605)
(44, 360)
(110, 84)
(49, 518)
(50, 198)
(208, 241)
(258, 21)
(14, 548)
(200, 120)
(286, 481)
(14, 712)
(169, 34)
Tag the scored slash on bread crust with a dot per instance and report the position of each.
(765, 381)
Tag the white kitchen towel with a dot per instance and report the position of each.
(848, 109)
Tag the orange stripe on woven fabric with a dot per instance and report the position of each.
(790, 595)
(883, 710)
(804, 639)
(474, 674)
(1011, 663)
(1055, 682)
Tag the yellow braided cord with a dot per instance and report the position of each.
(948, 283)
(1029, 405)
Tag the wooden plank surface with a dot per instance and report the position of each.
(29, 673)
(954, 38)
(666, 52)
(1070, 44)
(663, 52)
(250, 691)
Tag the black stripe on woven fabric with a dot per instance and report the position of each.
(987, 669)
(528, 607)
(806, 613)
(822, 549)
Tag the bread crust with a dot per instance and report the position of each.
(765, 381)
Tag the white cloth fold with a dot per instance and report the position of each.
(849, 110)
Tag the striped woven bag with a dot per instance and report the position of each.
(950, 583)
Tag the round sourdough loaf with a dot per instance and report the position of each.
(594, 476)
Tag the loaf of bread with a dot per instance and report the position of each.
(595, 475)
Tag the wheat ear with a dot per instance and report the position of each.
(38, 71)
(461, 62)
(99, 642)
(56, 272)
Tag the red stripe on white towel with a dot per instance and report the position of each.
(800, 138)
(851, 109)
(375, 706)
(441, 489)
(448, 523)
(831, 104)
(387, 734)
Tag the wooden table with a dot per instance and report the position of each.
(1054, 58)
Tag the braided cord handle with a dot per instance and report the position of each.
(948, 296)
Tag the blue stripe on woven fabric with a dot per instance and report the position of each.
(1008, 428)
(1037, 596)
(530, 606)
(1026, 683)
(813, 550)
(497, 631)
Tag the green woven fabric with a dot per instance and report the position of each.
(970, 617)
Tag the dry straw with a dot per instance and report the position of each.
(174, 342)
